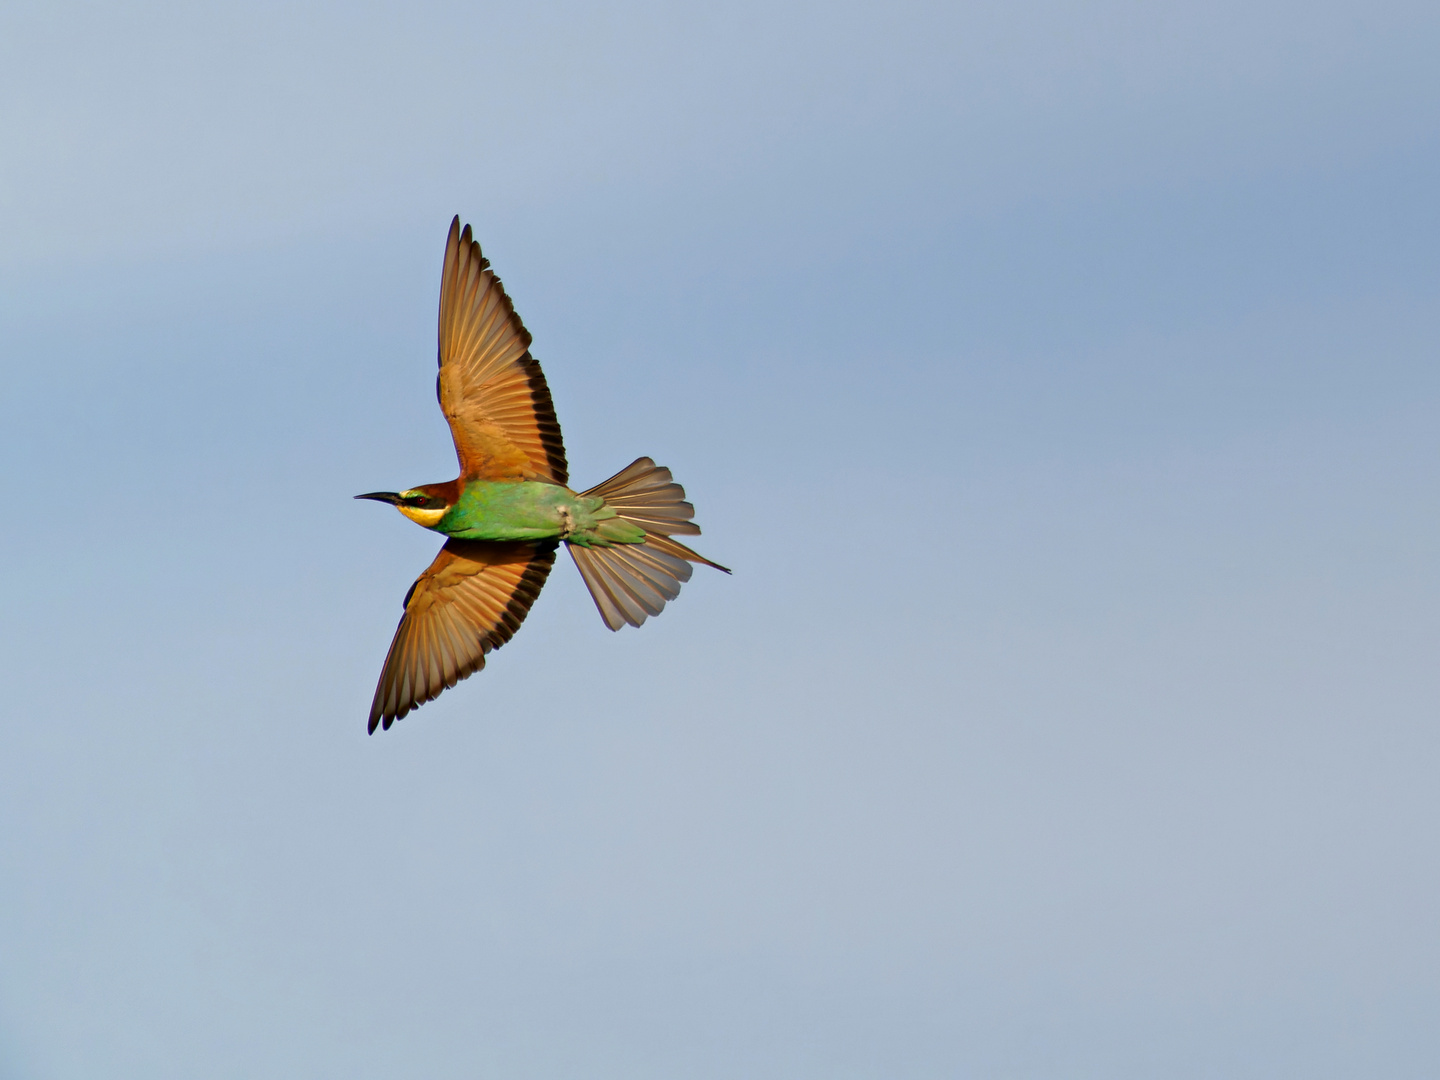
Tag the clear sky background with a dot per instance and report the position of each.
(1059, 378)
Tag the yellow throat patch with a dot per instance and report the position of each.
(421, 516)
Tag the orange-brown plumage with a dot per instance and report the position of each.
(491, 389)
(470, 600)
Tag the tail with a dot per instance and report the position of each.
(630, 581)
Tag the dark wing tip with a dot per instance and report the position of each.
(546, 421)
(527, 590)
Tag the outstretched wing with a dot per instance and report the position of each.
(472, 599)
(491, 389)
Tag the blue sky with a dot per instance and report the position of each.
(1060, 381)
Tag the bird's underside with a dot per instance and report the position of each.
(511, 507)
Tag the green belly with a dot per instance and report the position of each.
(495, 510)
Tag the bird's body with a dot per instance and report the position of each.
(525, 510)
(511, 506)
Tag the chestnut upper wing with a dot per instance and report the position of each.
(491, 389)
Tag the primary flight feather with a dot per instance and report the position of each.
(510, 507)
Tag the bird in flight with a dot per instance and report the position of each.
(511, 506)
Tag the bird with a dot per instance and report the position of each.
(506, 514)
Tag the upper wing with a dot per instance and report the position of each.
(472, 599)
(490, 388)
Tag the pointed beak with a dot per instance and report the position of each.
(392, 497)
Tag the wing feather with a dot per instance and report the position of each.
(470, 600)
(491, 389)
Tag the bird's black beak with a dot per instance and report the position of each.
(392, 497)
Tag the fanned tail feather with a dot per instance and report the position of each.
(630, 582)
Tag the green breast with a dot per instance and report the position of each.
(497, 510)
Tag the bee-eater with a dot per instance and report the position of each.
(510, 507)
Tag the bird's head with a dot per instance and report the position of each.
(424, 505)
